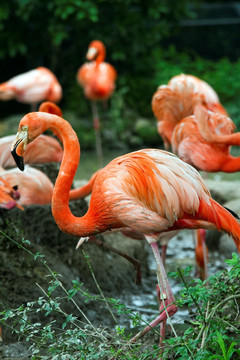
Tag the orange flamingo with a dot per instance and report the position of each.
(32, 87)
(173, 102)
(150, 191)
(204, 141)
(97, 78)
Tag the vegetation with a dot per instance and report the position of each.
(213, 331)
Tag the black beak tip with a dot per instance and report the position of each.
(18, 159)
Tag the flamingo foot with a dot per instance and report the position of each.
(167, 309)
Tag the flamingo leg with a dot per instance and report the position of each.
(167, 305)
(96, 125)
(34, 107)
(201, 253)
(205, 252)
(135, 262)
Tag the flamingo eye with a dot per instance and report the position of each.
(15, 187)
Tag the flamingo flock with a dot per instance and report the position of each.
(148, 194)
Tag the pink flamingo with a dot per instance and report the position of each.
(32, 87)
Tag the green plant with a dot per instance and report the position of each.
(51, 333)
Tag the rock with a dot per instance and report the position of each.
(223, 191)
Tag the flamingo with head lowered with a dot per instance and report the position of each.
(97, 78)
(150, 191)
(178, 99)
(204, 141)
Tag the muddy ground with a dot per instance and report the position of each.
(22, 277)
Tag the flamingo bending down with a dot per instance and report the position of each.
(97, 78)
(204, 141)
(173, 102)
(32, 87)
(202, 87)
(149, 191)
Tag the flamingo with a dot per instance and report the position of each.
(204, 141)
(8, 195)
(32, 87)
(97, 78)
(150, 191)
(173, 102)
(33, 185)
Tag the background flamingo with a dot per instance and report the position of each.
(173, 102)
(98, 81)
(204, 140)
(149, 191)
(32, 87)
(8, 195)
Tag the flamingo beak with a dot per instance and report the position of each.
(92, 53)
(19, 146)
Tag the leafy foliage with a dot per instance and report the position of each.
(213, 331)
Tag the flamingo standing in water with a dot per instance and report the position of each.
(173, 102)
(97, 78)
(32, 87)
(150, 191)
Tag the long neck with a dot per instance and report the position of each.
(101, 55)
(231, 164)
(66, 221)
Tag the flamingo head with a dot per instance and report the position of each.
(30, 127)
(96, 51)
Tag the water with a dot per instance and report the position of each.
(180, 253)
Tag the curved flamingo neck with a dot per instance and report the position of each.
(66, 221)
(231, 164)
(101, 55)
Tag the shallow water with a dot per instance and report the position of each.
(180, 253)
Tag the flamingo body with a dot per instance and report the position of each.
(32, 87)
(202, 87)
(97, 77)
